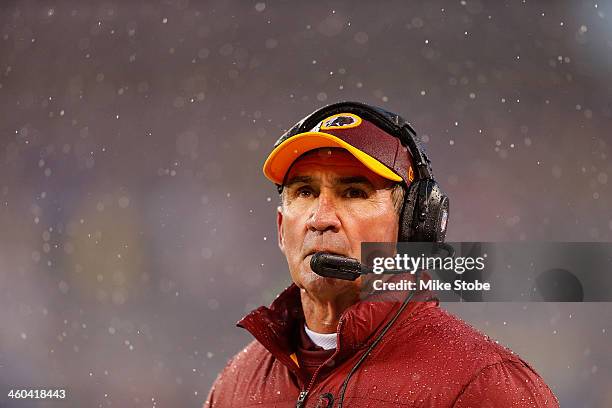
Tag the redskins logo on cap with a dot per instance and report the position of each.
(339, 121)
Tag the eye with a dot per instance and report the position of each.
(304, 192)
(355, 193)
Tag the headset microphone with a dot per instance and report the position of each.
(341, 267)
(336, 266)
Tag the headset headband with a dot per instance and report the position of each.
(390, 122)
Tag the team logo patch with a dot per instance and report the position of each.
(341, 121)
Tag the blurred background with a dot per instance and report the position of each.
(136, 226)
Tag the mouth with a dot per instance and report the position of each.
(328, 251)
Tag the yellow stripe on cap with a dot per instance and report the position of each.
(280, 159)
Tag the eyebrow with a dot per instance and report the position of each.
(298, 179)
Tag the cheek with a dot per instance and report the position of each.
(292, 233)
(379, 227)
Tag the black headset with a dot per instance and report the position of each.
(424, 214)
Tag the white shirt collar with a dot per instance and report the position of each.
(326, 341)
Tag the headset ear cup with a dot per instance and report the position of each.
(432, 218)
(424, 215)
(406, 232)
(436, 220)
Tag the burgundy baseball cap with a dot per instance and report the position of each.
(376, 149)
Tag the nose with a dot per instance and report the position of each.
(324, 215)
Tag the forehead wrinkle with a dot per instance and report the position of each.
(353, 180)
(335, 179)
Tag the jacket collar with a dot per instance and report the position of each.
(275, 326)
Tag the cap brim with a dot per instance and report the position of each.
(280, 159)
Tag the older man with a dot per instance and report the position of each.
(345, 181)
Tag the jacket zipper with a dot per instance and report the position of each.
(304, 393)
(301, 399)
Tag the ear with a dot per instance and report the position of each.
(279, 228)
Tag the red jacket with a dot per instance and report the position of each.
(428, 358)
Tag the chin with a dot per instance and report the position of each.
(322, 287)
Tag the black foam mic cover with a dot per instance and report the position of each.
(335, 266)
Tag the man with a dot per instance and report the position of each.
(344, 181)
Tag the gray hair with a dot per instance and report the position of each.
(397, 195)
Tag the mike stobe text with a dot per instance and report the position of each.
(432, 284)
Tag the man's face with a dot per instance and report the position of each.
(332, 203)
